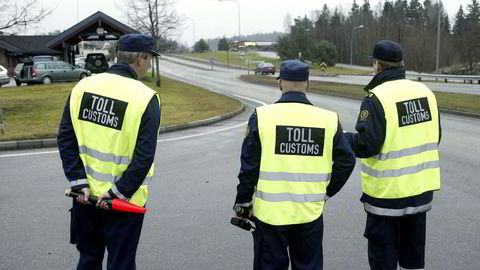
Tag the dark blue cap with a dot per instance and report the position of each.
(136, 43)
(387, 50)
(293, 70)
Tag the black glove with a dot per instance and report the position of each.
(243, 211)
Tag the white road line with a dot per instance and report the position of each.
(251, 99)
(160, 140)
(29, 154)
(202, 134)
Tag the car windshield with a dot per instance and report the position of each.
(267, 65)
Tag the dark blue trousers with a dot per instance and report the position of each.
(274, 244)
(396, 240)
(93, 229)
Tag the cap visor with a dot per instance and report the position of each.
(154, 53)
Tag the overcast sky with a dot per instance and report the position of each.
(211, 18)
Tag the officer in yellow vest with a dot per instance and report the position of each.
(294, 157)
(107, 141)
(397, 141)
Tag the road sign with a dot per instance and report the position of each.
(323, 66)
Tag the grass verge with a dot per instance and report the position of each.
(34, 112)
(449, 101)
(233, 58)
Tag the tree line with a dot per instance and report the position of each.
(410, 23)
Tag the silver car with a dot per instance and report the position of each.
(47, 72)
(4, 79)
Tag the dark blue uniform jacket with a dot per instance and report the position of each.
(143, 154)
(371, 135)
(343, 156)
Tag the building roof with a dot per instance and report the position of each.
(27, 45)
(88, 27)
(54, 45)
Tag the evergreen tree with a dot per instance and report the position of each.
(201, 46)
(459, 26)
(324, 51)
(223, 44)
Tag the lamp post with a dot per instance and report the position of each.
(351, 42)
(238, 6)
(193, 25)
(437, 64)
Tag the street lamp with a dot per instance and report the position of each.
(238, 5)
(193, 24)
(351, 43)
(438, 39)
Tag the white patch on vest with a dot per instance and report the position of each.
(304, 141)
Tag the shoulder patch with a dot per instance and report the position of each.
(364, 114)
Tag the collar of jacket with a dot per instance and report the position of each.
(389, 74)
(294, 96)
(123, 70)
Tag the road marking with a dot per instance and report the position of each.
(204, 133)
(251, 99)
(160, 140)
(29, 154)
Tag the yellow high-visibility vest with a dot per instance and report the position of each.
(408, 162)
(296, 162)
(106, 111)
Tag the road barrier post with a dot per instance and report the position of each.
(2, 128)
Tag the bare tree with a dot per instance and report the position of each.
(156, 17)
(15, 16)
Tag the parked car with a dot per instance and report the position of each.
(96, 62)
(47, 72)
(265, 68)
(4, 79)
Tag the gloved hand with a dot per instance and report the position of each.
(101, 203)
(83, 199)
(243, 211)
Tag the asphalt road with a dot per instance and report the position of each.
(192, 193)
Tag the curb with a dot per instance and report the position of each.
(42, 143)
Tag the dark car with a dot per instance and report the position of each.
(47, 72)
(96, 62)
(265, 68)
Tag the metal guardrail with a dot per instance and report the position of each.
(465, 78)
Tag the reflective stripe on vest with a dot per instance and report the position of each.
(107, 157)
(397, 212)
(290, 197)
(408, 163)
(295, 177)
(402, 171)
(296, 162)
(106, 112)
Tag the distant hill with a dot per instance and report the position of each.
(265, 37)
